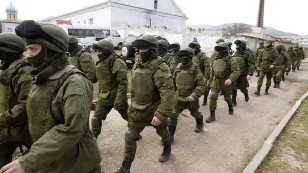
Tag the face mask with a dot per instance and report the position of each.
(268, 45)
(185, 60)
(145, 55)
(72, 48)
(38, 59)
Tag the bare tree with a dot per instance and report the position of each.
(235, 28)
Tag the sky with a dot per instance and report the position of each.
(284, 15)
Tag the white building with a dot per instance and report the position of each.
(128, 13)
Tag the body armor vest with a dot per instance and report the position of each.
(185, 82)
(219, 68)
(143, 89)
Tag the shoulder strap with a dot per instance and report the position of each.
(61, 81)
(17, 67)
(78, 57)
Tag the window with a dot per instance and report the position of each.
(155, 4)
(91, 21)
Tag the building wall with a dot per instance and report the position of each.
(127, 17)
(101, 17)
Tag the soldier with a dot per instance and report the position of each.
(298, 56)
(190, 85)
(224, 72)
(81, 59)
(111, 72)
(215, 53)
(291, 55)
(203, 62)
(175, 47)
(152, 100)
(245, 61)
(259, 49)
(15, 84)
(266, 64)
(280, 67)
(58, 107)
(163, 47)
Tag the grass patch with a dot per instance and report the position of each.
(290, 151)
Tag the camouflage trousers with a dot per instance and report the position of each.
(240, 83)
(278, 74)
(294, 64)
(227, 90)
(101, 113)
(132, 135)
(269, 76)
(179, 106)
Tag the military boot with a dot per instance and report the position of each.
(258, 91)
(166, 153)
(199, 125)
(266, 90)
(171, 132)
(230, 109)
(125, 168)
(234, 101)
(246, 97)
(204, 101)
(212, 117)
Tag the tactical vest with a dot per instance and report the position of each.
(267, 58)
(241, 61)
(185, 82)
(167, 58)
(105, 78)
(220, 68)
(143, 89)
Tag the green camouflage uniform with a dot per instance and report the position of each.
(152, 94)
(281, 64)
(112, 80)
(298, 56)
(15, 84)
(223, 68)
(81, 59)
(171, 61)
(246, 65)
(189, 82)
(59, 126)
(268, 56)
(293, 59)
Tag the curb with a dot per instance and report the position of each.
(268, 144)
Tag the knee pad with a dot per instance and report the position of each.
(130, 137)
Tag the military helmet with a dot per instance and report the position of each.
(146, 41)
(163, 44)
(104, 45)
(72, 40)
(12, 43)
(240, 43)
(220, 40)
(261, 43)
(49, 35)
(186, 52)
(194, 45)
(221, 47)
(278, 48)
(175, 45)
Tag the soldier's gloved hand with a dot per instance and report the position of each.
(228, 82)
(271, 66)
(190, 99)
(248, 77)
(155, 121)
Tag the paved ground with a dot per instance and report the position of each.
(225, 145)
